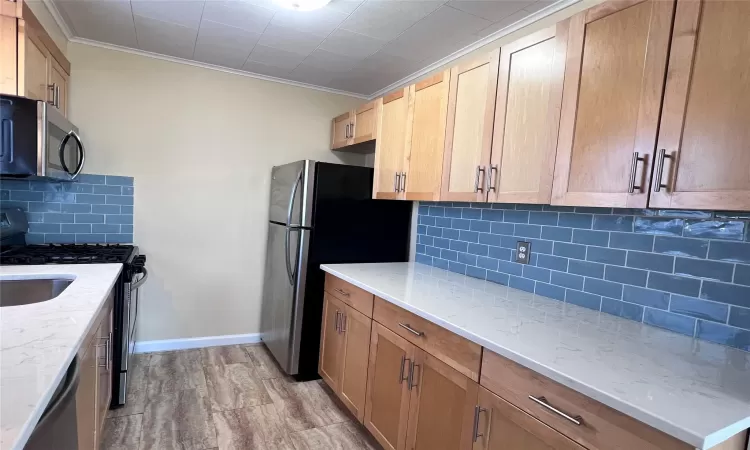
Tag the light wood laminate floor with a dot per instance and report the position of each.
(227, 398)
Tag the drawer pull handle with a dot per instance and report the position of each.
(476, 434)
(342, 292)
(541, 401)
(406, 327)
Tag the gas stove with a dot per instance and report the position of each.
(66, 254)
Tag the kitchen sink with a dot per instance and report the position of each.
(25, 292)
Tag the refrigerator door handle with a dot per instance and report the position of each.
(291, 200)
(289, 270)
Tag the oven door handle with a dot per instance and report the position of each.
(140, 282)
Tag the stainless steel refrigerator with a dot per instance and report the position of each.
(320, 213)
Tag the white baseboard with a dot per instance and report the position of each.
(198, 342)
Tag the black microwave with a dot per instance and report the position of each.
(36, 140)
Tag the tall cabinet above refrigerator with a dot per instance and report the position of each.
(320, 213)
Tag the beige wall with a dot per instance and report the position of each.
(200, 144)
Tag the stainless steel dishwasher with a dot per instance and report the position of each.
(58, 428)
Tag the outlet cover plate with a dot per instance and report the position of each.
(523, 252)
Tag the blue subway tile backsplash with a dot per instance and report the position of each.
(94, 209)
(685, 271)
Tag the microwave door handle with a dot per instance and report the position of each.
(81, 154)
(61, 153)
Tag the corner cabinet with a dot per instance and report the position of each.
(31, 65)
(703, 152)
(614, 77)
(94, 392)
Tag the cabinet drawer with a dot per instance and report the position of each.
(459, 353)
(601, 427)
(353, 296)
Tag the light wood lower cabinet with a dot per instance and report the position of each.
(94, 391)
(344, 353)
(502, 426)
(387, 400)
(441, 406)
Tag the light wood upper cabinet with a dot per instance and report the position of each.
(340, 131)
(391, 144)
(331, 342)
(502, 426)
(354, 360)
(366, 121)
(468, 135)
(441, 406)
(704, 133)
(428, 111)
(527, 117)
(387, 400)
(614, 76)
(31, 64)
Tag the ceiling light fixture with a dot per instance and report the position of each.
(302, 5)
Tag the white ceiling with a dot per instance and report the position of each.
(357, 46)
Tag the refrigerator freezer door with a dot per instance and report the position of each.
(291, 193)
(284, 293)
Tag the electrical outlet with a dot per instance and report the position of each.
(523, 252)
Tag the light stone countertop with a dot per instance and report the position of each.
(696, 391)
(38, 341)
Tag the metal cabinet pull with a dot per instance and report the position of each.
(403, 181)
(395, 182)
(408, 328)
(410, 382)
(491, 177)
(336, 324)
(342, 292)
(541, 401)
(633, 169)
(476, 434)
(662, 155)
(477, 188)
(351, 130)
(57, 96)
(53, 88)
(401, 377)
(106, 343)
(343, 323)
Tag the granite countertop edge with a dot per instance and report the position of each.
(702, 442)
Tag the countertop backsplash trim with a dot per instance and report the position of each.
(685, 271)
(94, 209)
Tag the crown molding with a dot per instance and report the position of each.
(52, 8)
(78, 40)
(541, 14)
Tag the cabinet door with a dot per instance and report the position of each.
(86, 406)
(390, 145)
(59, 82)
(341, 130)
(527, 117)
(366, 121)
(104, 363)
(429, 109)
(8, 56)
(36, 66)
(441, 409)
(704, 132)
(468, 134)
(387, 400)
(502, 426)
(354, 358)
(331, 341)
(614, 76)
